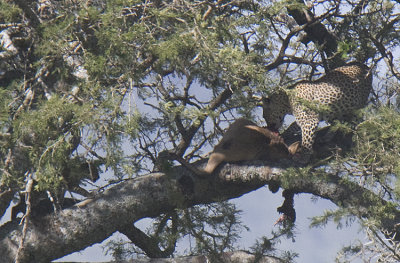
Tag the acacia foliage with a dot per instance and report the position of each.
(117, 83)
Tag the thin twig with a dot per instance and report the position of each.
(25, 218)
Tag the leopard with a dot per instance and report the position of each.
(334, 96)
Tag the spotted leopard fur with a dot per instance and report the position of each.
(334, 96)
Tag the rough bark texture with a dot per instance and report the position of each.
(53, 236)
(148, 196)
(315, 30)
(236, 256)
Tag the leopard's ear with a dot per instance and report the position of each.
(294, 147)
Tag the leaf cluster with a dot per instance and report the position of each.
(122, 82)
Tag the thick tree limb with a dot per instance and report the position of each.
(236, 256)
(154, 194)
(315, 30)
(157, 193)
(148, 196)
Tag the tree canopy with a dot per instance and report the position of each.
(132, 91)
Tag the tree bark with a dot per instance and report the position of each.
(53, 236)
(235, 256)
(315, 30)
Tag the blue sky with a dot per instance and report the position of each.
(259, 214)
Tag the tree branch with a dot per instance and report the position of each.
(6, 196)
(386, 55)
(30, 14)
(218, 101)
(148, 244)
(316, 31)
(235, 256)
(75, 228)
